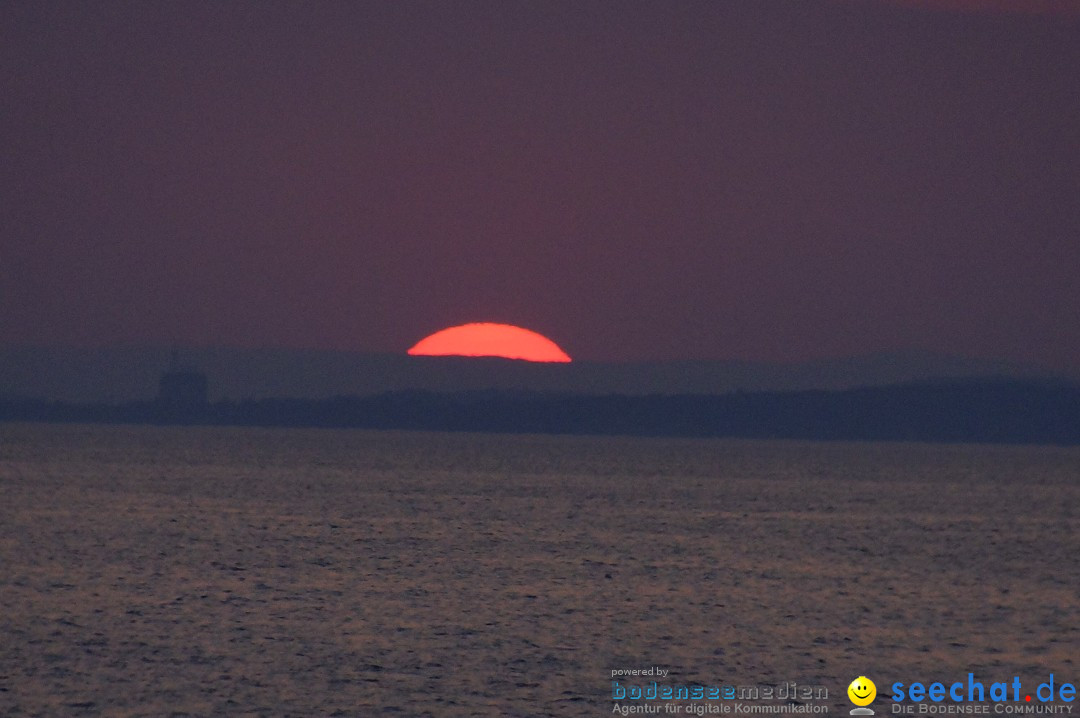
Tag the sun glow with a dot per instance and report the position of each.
(490, 340)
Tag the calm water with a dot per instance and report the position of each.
(153, 571)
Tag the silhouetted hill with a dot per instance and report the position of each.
(131, 374)
(985, 411)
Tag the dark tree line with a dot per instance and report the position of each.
(946, 411)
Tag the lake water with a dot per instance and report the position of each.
(228, 571)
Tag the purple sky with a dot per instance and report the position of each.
(636, 180)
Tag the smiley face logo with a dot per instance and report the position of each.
(862, 691)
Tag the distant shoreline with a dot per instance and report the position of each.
(970, 411)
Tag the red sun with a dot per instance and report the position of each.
(490, 340)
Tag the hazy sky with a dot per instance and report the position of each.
(636, 180)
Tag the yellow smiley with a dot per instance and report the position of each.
(862, 691)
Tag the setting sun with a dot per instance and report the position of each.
(490, 340)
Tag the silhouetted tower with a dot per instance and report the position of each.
(182, 388)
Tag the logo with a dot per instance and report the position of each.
(1002, 694)
(862, 693)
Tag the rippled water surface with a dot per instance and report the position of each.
(207, 571)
